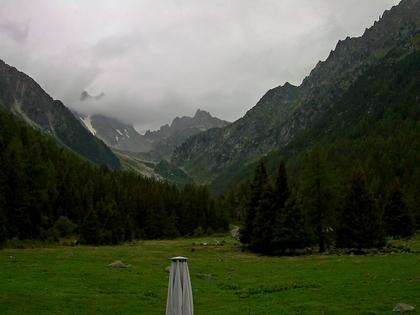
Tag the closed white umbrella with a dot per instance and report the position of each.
(180, 300)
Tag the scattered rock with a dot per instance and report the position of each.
(168, 269)
(234, 233)
(213, 243)
(117, 264)
(402, 307)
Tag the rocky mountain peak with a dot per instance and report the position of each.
(202, 114)
(395, 26)
(85, 96)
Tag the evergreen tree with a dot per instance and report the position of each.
(155, 223)
(399, 221)
(264, 222)
(3, 200)
(290, 233)
(91, 229)
(414, 196)
(3, 227)
(114, 223)
(281, 189)
(316, 196)
(256, 189)
(18, 191)
(360, 222)
(289, 222)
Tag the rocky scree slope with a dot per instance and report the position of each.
(114, 133)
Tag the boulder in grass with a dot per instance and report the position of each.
(117, 264)
(402, 308)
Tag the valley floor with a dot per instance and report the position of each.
(76, 280)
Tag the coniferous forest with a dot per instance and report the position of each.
(278, 220)
(47, 192)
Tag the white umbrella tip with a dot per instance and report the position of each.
(179, 258)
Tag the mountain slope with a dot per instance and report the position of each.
(162, 170)
(114, 133)
(148, 154)
(283, 112)
(158, 144)
(169, 137)
(376, 124)
(22, 96)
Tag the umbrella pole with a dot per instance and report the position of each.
(180, 300)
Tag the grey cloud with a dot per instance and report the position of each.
(116, 45)
(157, 59)
(14, 30)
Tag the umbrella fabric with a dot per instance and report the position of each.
(180, 301)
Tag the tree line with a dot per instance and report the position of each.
(47, 192)
(277, 218)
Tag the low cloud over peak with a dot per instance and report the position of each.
(159, 59)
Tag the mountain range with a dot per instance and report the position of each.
(169, 137)
(368, 88)
(157, 144)
(282, 117)
(95, 137)
(149, 154)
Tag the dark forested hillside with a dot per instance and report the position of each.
(22, 96)
(47, 192)
(379, 114)
(358, 161)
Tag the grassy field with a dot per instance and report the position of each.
(76, 280)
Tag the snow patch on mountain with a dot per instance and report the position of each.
(87, 121)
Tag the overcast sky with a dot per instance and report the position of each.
(157, 59)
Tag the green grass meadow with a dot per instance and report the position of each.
(76, 280)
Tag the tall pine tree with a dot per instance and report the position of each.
(289, 232)
(316, 196)
(399, 221)
(257, 187)
(360, 221)
(264, 222)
